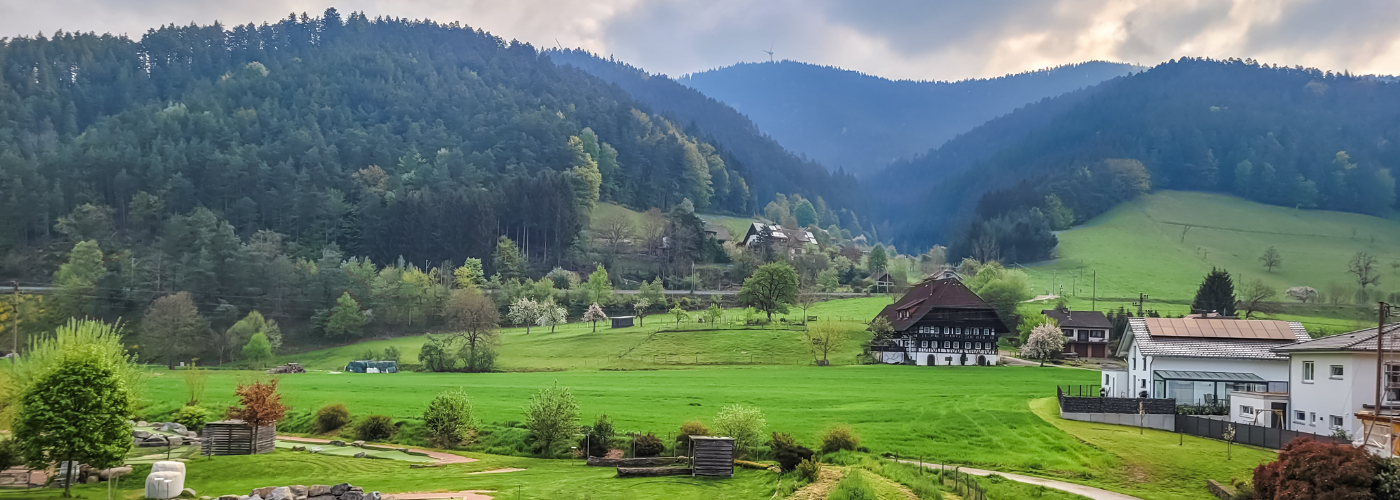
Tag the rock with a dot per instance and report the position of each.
(298, 490)
(401, 450)
(165, 484)
(142, 424)
(340, 489)
(188, 491)
(360, 455)
(168, 466)
(358, 444)
(280, 493)
(262, 492)
(317, 490)
(352, 495)
(337, 443)
(191, 434)
(322, 497)
(140, 434)
(91, 480)
(172, 426)
(373, 495)
(176, 441)
(254, 497)
(316, 449)
(114, 472)
(298, 448)
(232, 497)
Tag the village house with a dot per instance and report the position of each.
(792, 239)
(940, 322)
(1333, 386)
(1086, 332)
(1202, 360)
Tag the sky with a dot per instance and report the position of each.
(900, 39)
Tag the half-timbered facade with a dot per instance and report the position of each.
(941, 322)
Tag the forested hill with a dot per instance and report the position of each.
(1285, 136)
(385, 137)
(782, 172)
(847, 119)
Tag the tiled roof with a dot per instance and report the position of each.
(929, 295)
(1078, 319)
(1359, 340)
(1210, 347)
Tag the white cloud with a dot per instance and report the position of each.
(916, 39)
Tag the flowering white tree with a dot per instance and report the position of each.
(525, 312)
(641, 306)
(595, 314)
(551, 315)
(1044, 341)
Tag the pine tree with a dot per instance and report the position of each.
(1216, 294)
(346, 319)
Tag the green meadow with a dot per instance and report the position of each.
(1163, 244)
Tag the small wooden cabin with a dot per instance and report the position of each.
(622, 321)
(712, 456)
(236, 437)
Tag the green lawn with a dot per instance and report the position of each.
(1139, 247)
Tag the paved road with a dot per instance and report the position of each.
(1078, 489)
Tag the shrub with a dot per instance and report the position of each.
(1387, 478)
(192, 417)
(449, 421)
(647, 445)
(787, 452)
(375, 428)
(9, 453)
(1309, 469)
(598, 436)
(1244, 490)
(809, 469)
(392, 353)
(839, 438)
(692, 428)
(331, 417)
(743, 423)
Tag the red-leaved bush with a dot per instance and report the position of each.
(1309, 470)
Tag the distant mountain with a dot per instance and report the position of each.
(848, 119)
(1286, 136)
(771, 168)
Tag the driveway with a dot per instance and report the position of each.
(1078, 489)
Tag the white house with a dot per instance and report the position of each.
(1334, 378)
(1202, 360)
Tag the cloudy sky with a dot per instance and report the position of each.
(915, 39)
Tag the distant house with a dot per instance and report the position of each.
(791, 239)
(718, 232)
(1202, 360)
(882, 282)
(1334, 384)
(941, 322)
(1086, 332)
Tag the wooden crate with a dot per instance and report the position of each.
(235, 437)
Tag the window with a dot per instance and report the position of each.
(1143, 383)
(1134, 362)
(1337, 372)
(947, 345)
(1097, 334)
(967, 345)
(960, 330)
(1308, 371)
(924, 344)
(935, 330)
(1312, 418)
(1300, 416)
(1105, 379)
(979, 346)
(1068, 332)
(1247, 411)
(1335, 419)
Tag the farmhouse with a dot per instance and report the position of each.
(1086, 332)
(778, 236)
(1202, 360)
(940, 322)
(1334, 379)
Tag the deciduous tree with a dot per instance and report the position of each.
(1254, 298)
(346, 320)
(552, 417)
(743, 423)
(1271, 258)
(526, 312)
(552, 315)
(258, 352)
(772, 288)
(594, 315)
(259, 404)
(474, 319)
(75, 412)
(448, 420)
(679, 314)
(1363, 266)
(825, 336)
(76, 281)
(1045, 341)
(640, 306)
(600, 288)
(171, 327)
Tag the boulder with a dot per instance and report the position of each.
(191, 434)
(298, 491)
(316, 449)
(360, 455)
(337, 443)
(317, 490)
(373, 495)
(254, 497)
(401, 450)
(280, 493)
(165, 484)
(142, 424)
(140, 434)
(340, 489)
(262, 492)
(176, 440)
(322, 497)
(172, 426)
(358, 444)
(353, 495)
(114, 472)
(298, 448)
(168, 466)
(232, 497)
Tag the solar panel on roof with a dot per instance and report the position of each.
(1219, 328)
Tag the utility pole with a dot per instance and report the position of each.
(1383, 311)
(1094, 302)
(1074, 284)
(1142, 298)
(14, 317)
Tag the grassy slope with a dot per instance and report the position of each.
(1138, 248)
(605, 212)
(1155, 466)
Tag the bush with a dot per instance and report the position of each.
(192, 417)
(692, 428)
(787, 452)
(648, 445)
(375, 428)
(597, 437)
(840, 438)
(1309, 469)
(1387, 479)
(1244, 490)
(392, 353)
(808, 470)
(449, 421)
(743, 423)
(331, 417)
(9, 453)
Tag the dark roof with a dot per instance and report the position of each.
(1209, 376)
(1359, 340)
(1078, 319)
(932, 294)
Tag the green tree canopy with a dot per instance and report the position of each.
(772, 288)
(346, 319)
(552, 417)
(1216, 294)
(258, 352)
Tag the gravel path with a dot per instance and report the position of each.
(442, 458)
(1078, 489)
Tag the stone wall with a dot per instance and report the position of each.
(1153, 406)
(342, 491)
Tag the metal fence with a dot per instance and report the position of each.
(1253, 435)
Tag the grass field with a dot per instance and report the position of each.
(1139, 247)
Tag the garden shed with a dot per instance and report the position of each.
(622, 321)
(236, 437)
(712, 456)
(366, 366)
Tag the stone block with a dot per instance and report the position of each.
(168, 466)
(165, 484)
(360, 455)
(280, 493)
(340, 489)
(353, 495)
(262, 492)
(317, 490)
